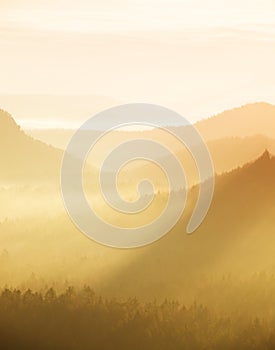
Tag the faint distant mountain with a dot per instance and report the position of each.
(237, 237)
(23, 159)
(248, 120)
(234, 137)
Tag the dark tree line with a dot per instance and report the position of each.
(81, 320)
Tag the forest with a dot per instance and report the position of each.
(242, 317)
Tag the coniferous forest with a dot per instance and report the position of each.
(80, 319)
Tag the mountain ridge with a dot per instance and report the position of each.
(246, 120)
(24, 159)
(236, 237)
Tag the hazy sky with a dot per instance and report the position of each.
(197, 57)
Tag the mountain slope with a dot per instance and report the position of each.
(23, 159)
(230, 153)
(237, 237)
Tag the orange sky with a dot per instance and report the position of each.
(197, 57)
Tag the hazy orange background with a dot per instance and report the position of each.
(197, 57)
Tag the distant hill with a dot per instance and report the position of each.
(248, 120)
(234, 137)
(23, 159)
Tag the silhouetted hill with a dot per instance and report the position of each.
(230, 153)
(237, 237)
(227, 154)
(23, 159)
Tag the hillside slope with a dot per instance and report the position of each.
(237, 237)
(23, 159)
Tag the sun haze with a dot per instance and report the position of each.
(197, 57)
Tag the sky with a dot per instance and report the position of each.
(198, 57)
